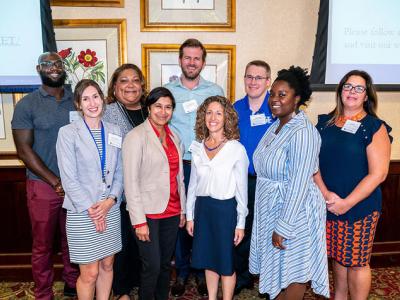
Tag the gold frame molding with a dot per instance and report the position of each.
(120, 24)
(91, 3)
(146, 25)
(17, 97)
(230, 50)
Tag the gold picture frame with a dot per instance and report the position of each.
(105, 37)
(17, 97)
(92, 3)
(187, 15)
(7, 147)
(160, 64)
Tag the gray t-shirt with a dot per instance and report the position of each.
(45, 115)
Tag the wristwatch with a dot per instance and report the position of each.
(113, 197)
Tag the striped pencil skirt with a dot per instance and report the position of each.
(86, 245)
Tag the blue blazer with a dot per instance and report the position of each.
(80, 168)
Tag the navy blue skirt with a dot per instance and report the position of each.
(214, 230)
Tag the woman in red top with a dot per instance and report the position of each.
(154, 190)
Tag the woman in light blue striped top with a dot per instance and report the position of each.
(288, 244)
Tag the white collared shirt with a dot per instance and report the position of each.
(222, 178)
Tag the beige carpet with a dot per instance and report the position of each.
(385, 285)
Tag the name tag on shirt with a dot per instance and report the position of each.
(74, 116)
(114, 140)
(259, 119)
(351, 126)
(190, 106)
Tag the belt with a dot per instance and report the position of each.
(253, 176)
(187, 162)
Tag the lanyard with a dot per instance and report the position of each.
(102, 156)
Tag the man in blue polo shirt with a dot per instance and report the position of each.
(189, 90)
(254, 119)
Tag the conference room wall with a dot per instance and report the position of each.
(282, 32)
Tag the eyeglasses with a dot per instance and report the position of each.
(49, 64)
(256, 78)
(359, 89)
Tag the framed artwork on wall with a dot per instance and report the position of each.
(160, 65)
(188, 15)
(17, 97)
(91, 48)
(107, 3)
(2, 125)
(7, 147)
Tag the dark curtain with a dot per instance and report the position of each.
(48, 36)
(317, 75)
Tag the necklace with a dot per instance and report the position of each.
(341, 120)
(216, 147)
(162, 137)
(126, 113)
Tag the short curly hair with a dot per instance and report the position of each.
(231, 130)
(114, 78)
(298, 79)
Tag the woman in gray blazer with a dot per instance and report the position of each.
(155, 192)
(125, 108)
(89, 159)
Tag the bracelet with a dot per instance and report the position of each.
(113, 197)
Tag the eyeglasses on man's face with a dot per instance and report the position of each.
(359, 89)
(256, 78)
(49, 64)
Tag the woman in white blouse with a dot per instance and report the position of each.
(217, 194)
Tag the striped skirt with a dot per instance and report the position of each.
(350, 244)
(86, 245)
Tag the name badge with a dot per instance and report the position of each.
(74, 116)
(190, 106)
(114, 140)
(351, 126)
(257, 120)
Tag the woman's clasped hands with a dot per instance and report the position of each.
(98, 212)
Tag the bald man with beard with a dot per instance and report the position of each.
(35, 124)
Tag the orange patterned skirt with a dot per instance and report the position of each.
(350, 244)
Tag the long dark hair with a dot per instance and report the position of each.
(370, 105)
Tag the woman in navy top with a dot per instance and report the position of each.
(354, 160)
